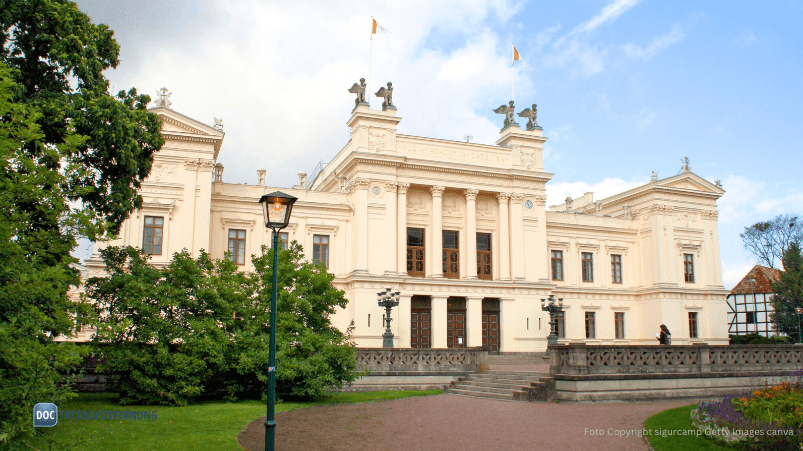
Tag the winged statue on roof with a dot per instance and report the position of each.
(508, 111)
(387, 95)
(359, 89)
(530, 114)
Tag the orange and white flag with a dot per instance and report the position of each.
(375, 26)
(516, 56)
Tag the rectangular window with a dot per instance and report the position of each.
(616, 268)
(557, 265)
(692, 324)
(688, 267)
(484, 257)
(415, 252)
(237, 246)
(591, 325)
(283, 239)
(588, 266)
(320, 250)
(451, 254)
(560, 319)
(750, 317)
(619, 322)
(152, 235)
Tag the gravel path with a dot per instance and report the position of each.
(454, 422)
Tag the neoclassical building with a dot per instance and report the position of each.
(462, 231)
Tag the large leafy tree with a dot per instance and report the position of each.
(73, 157)
(200, 328)
(768, 240)
(788, 291)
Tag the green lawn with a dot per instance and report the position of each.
(209, 426)
(668, 423)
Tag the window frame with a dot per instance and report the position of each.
(587, 266)
(284, 239)
(560, 320)
(619, 325)
(239, 239)
(320, 251)
(688, 268)
(153, 236)
(451, 255)
(412, 251)
(556, 265)
(485, 258)
(616, 268)
(694, 321)
(591, 325)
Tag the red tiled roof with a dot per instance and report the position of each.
(758, 280)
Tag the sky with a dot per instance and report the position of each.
(623, 87)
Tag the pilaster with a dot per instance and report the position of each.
(437, 235)
(390, 260)
(517, 236)
(471, 236)
(438, 324)
(401, 224)
(359, 189)
(474, 321)
(504, 236)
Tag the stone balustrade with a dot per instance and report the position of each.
(392, 361)
(581, 359)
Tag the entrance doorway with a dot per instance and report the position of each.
(490, 324)
(420, 324)
(456, 322)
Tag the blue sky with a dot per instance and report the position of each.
(623, 87)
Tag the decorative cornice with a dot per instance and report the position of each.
(471, 194)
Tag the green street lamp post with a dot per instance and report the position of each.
(276, 207)
(388, 300)
(799, 311)
(553, 306)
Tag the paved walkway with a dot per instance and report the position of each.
(454, 422)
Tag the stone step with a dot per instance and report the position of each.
(516, 359)
(478, 394)
(483, 389)
(512, 386)
(505, 378)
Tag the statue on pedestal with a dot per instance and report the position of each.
(508, 112)
(530, 114)
(359, 89)
(387, 94)
(163, 98)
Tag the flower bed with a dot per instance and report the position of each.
(771, 418)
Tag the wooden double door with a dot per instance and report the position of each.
(456, 322)
(490, 324)
(420, 322)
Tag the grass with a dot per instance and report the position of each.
(671, 422)
(204, 426)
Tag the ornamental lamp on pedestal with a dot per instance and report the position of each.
(276, 208)
(553, 306)
(388, 300)
(799, 311)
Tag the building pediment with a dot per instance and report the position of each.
(180, 127)
(690, 182)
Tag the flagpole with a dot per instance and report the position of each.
(370, 62)
(512, 72)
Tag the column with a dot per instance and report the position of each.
(203, 209)
(471, 235)
(717, 263)
(540, 245)
(474, 322)
(401, 234)
(658, 251)
(672, 263)
(507, 326)
(517, 235)
(504, 236)
(403, 320)
(438, 324)
(359, 189)
(437, 237)
(391, 218)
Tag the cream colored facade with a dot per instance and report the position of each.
(382, 183)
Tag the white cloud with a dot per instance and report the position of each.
(746, 38)
(608, 14)
(655, 46)
(645, 118)
(733, 273)
(556, 193)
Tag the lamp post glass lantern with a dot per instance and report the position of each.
(388, 300)
(276, 208)
(553, 306)
(799, 311)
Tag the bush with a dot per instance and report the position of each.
(200, 328)
(756, 339)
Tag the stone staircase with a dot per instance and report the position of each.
(506, 385)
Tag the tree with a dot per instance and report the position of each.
(200, 328)
(72, 159)
(769, 240)
(788, 293)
